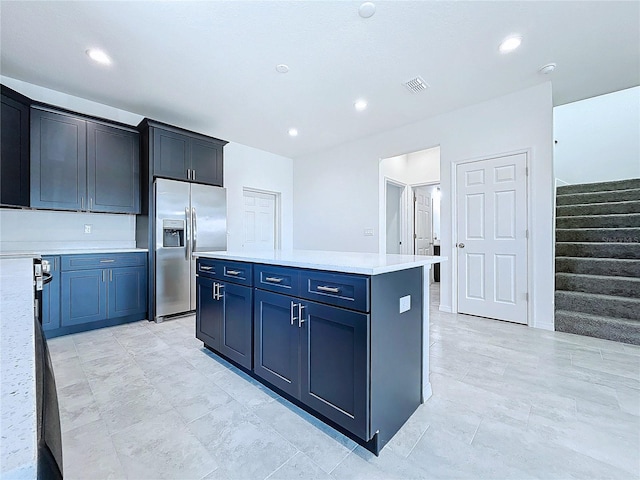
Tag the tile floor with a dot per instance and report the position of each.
(146, 400)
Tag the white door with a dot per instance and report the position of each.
(423, 221)
(394, 215)
(491, 209)
(259, 220)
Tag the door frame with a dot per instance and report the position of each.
(277, 218)
(404, 224)
(454, 227)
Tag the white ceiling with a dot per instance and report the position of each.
(210, 66)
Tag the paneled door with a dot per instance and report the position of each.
(260, 221)
(422, 221)
(491, 209)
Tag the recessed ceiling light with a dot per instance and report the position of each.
(99, 56)
(367, 9)
(360, 105)
(293, 132)
(282, 68)
(547, 69)
(510, 44)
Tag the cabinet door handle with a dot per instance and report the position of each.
(327, 289)
(233, 272)
(273, 279)
(81, 203)
(111, 275)
(107, 261)
(193, 174)
(205, 267)
(300, 317)
(90, 203)
(220, 294)
(103, 272)
(293, 317)
(214, 295)
(188, 174)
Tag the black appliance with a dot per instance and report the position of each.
(48, 416)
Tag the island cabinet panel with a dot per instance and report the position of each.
(277, 341)
(58, 161)
(224, 313)
(208, 313)
(14, 155)
(51, 296)
(113, 169)
(335, 370)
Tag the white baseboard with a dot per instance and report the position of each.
(445, 308)
(426, 392)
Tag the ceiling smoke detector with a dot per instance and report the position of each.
(416, 85)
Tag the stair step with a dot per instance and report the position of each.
(600, 305)
(604, 235)
(599, 284)
(598, 197)
(599, 221)
(600, 186)
(609, 328)
(606, 208)
(598, 250)
(599, 266)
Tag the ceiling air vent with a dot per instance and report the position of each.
(416, 85)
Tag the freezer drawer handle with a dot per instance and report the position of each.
(204, 267)
(233, 272)
(273, 279)
(328, 289)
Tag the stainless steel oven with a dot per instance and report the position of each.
(48, 415)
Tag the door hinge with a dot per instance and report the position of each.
(526, 296)
(526, 233)
(526, 171)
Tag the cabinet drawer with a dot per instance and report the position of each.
(236, 272)
(107, 260)
(206, 267)
(340, 289)
(277, 279)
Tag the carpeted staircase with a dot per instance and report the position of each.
(598, 260)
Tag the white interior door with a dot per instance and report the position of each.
(394, 218)
(491, 209)
(423, 221)
(259, 220)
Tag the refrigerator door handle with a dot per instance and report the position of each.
(187, 223)
(194, 233)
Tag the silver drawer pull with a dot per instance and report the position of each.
(107, 261)
(233, 272)
(273, 279)
(328, 289)
(206, 268)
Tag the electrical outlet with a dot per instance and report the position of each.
(405, 304)
(368, 232)
(88, 228)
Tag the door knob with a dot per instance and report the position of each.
(461, 245)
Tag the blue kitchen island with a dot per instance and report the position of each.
(343, 335)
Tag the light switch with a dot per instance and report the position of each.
(405, 304)
(368, 232)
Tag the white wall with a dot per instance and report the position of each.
(598, 138)
(243, 167)
(414, 168)
(337, 192)
(252, 168)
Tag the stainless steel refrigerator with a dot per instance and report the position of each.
(188, 218)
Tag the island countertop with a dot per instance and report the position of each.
(346, 262)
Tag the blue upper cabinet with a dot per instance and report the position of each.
(14, 146)
(79, 164)
(58, 161)
(113, 169)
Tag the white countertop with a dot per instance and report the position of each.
(60, 251)
(347, 262)
(18, 454)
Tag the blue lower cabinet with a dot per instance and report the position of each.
(84, 296)
(208, 312)
(335, 370)
(276, 356)
(51, 296)
(127, 291)
(237, 321)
